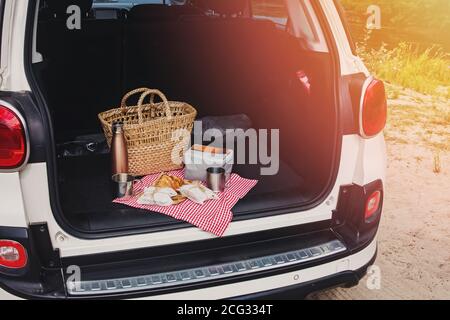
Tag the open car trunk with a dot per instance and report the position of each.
(222, 65)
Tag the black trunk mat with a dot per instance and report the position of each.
(86, 195)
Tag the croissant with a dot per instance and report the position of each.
(166, 181)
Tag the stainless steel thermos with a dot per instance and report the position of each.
(119, 151)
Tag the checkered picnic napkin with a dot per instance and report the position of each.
(213, 216)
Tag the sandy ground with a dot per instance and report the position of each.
(414, 236)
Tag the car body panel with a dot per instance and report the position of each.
(12, 210)
(25, 195)
(350, 64)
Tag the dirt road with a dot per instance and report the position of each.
(414, 237)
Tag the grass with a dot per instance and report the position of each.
(426, 123)
(427, 72)
(419, 114)
(437, 163)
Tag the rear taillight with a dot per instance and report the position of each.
(12, 255)
(13, 147)
(372, 206)
(373, 113)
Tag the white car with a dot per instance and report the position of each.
(289, 65)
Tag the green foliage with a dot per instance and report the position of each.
(427, 72)
(414, 35)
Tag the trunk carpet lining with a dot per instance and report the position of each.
(86, 195)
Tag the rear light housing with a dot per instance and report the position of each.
(373, 109)
(12, 255)
(358, 211)
(372, 206)
(13, 138)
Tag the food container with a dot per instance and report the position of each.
(199, 158)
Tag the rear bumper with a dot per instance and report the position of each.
(346, 271)
(301, 291)
(297, 284)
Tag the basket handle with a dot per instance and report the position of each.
(154, 92)
(125, 98)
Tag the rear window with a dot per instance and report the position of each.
(274, 10)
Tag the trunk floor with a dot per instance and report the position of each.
(86, 195)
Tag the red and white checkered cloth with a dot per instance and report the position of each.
(213, 216)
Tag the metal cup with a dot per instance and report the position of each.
(215, 179)
(124, 185)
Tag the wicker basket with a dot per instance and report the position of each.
(152, 131)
